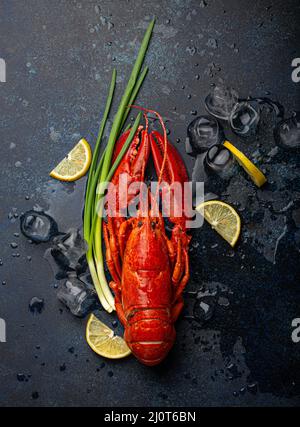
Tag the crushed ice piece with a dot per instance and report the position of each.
(79, 298)
(67, 254)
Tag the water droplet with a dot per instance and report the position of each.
(36, 305)
(204, 309)
(252, 388)
(21, 377)
(115, 324)
(191, 50)
(212, 43)
(63, 367)
(224, 302)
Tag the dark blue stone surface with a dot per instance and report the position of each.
(59, 56)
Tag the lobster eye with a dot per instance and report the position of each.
(153, 225)
(140, 223)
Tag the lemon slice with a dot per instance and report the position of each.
(223, 218)
(255, 174)
(75, 164)
(103, 340)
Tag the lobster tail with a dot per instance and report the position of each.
(150, 335)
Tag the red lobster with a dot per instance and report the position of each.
(149, 271)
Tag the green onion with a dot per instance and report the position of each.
(101, 171)
(94, 171)
(126, 98)
(134, 93)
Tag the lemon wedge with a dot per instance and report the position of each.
(75, 164)
(255, 174)
(223, 218)
(103, 340)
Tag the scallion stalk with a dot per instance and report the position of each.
(101, 171)
(93, 175)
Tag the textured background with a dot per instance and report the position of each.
(59, 56)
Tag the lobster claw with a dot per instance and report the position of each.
(132, 167)
(174, 174)
(136, 157)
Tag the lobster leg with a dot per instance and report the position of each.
(114, 249)
(123, 235)
(171, 250)
(109, 258)
(178, 300)
(115, 284)
(118, 302)
(185, 277)
(177, 273)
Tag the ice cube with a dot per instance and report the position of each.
(287, 132)
(203, 132)
(220, 161)
(38, 226)
(244, 118)
(274, 106)
(220, 101)
(69, 250)
(67, 254)
(214, 168)
(79, 298)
